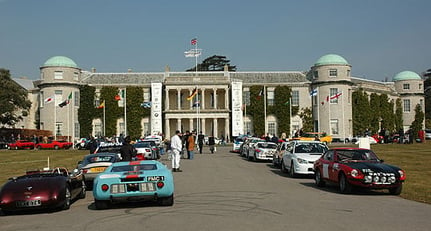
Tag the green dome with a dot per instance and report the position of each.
(331, 59)
(406, 75)
(60, 61)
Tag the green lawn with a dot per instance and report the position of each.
(415, 159)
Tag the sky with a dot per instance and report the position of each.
(379, 38)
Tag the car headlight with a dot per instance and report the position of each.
(302, 161)
(354, 173)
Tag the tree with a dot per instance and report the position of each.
(427, 91)
(13, 100)
(417, 124)
(307, 117)
(214, 63)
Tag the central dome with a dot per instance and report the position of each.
(406, 75)
(60, 61)
(331, 59)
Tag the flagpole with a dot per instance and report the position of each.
(55, 118)
(318, 110)
(125, 112)
(264, 108)
(344, 128)
(73, 118)
(68, 124)
(290, 115)
(329, 115)
(104, 118)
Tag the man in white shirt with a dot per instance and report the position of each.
(176, 147)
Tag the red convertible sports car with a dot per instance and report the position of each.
(21, 144)
(357, 167)
(42, 189)
(54, 144)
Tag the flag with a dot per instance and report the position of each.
(260, 93)
(196, 104)
(193, 53)
(102, 105)
(67, 101)
(313, 92)
(120, 95)
(49, 99)
(194, 92)
(146, 104)
(336, 96)
(194, 41)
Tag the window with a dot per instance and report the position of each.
(420, 86)
(421, 103)
(315, 74)
(270, 98)
(122, 94)
(98, 129)
(42, 99)
(76, 98)
(75, 76)
(122, 128)
(272, 128)
(406, 104)
(58, 129)
(58, 96)
(77, 134)
(334, 95)
(147, 96)
(58, 75)
(348, 73)
(333, 73)
(334, 127)
(406, 86)
(295, 98)
(248, 128)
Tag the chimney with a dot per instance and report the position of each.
(129, 70)
(93, 70)
(167, 68)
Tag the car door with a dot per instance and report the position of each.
(327, 165)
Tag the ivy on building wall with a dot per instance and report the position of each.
(86, 110)
(280, 109)
(113, 110)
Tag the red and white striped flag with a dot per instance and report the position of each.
(194, 41)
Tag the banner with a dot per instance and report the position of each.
(237, 118)
(156, 108)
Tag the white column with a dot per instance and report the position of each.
(226, 127)
(167, 99)
(203, 99)
(215, 98)
(167, 129)
(226, 98)
(179, 124)
(203, 126)
(215, 124)
(190, 124)
(179, 99)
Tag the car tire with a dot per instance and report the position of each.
(318, 179)
(292, 172)
(283, 167)
(344, 185)
(101, 204)
(166, 201)
(67, 199)
(82, 194)
(396, 190)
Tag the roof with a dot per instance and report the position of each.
(60, 61)
(331, 59)
(406, 75)
(24, 83)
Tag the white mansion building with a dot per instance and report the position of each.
(223, 97)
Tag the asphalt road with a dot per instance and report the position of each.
(222, 191)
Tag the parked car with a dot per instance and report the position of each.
(54, 144)
(93, 164)
(428, 134)
(262, 151)
(357, 167)
(146, 180)
(299, 157)
(21, 144)
(146, 150)
(237, 143)
(82, 143)
(42, 189)
(249, 144)
(313, 136)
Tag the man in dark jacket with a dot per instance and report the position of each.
(127, 151)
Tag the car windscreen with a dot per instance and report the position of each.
(266, 145)
(134, 168)
(354, 155)
(96, 159)
(310, 148)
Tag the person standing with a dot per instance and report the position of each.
(201, 138)
(127, 151)
(190, 146)
(176, 147)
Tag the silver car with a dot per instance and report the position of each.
(299, 157)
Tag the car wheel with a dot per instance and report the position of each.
(167, 201)
(318, 179)
(56, 147)
(67, 199)
(82, 194)
(344, 185)
(396, 190)
(100, 204)
(38, 147)
(292, 172)
(283, 167)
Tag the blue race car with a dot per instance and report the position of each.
(147, 180)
